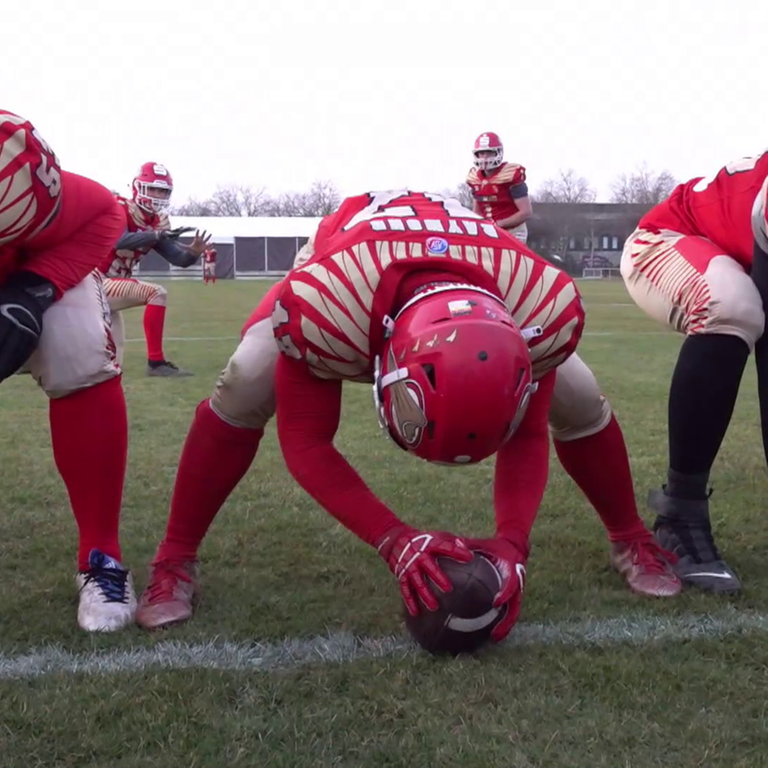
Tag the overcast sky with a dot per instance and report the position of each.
(376, 95)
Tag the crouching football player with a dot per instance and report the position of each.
(423, 297)
(56, 228)
(688, 266)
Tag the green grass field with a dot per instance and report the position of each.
(297, 655)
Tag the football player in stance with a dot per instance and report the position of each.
(209, 266)
(469, 339)
(56, 228)
(688, 266)
(146, 228)
(498, 188)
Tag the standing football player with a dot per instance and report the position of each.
(146, 228)
(209, 266)
(688, 266)
(499, 190)
(362, 303)
(56, 229)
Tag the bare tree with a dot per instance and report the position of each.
(235, 200)
(194, 207)
(460, 192)
(566, 187)
(321, 199)
(644, 186)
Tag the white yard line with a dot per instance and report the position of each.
(337, 648)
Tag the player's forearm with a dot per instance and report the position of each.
(133, 241)
(522, 469)
(515, 220)
(176, 254)
(329, 479)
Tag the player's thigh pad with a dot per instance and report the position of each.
(76, 349)
(520, 232)
(245, 391)
(689, 284)
(578, 407)
(127, 292)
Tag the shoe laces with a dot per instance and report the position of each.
(651, 556)
(111, 581)
(166, 574)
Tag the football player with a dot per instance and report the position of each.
(688, 266)
(435, 305)
(147, 228)
(209, 266)
(56, 228)
(499, 190)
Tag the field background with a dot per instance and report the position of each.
(297, 655)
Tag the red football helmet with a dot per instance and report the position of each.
(152, 188)
(488, 152)
(453, 381)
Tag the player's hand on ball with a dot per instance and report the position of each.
(510, 562)
(410, 555)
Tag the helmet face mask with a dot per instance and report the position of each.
(453, 382)
(152, 188)
(488, 152)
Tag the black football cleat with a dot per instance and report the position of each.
(682, 526)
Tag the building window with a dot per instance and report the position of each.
(572, 243)
(615, 243)
(587, 243)
(606, 241)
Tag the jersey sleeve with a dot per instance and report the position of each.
(30, 180)
(308, 415)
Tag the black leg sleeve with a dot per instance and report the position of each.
(760, 278)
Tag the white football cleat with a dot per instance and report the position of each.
(107, 599)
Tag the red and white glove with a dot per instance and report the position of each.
(410, 555)
(510, 561)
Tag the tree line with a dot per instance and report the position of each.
(643, 186)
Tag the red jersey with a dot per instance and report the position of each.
(30, 186)
(718, 207)
(331, 309)
(493, 191)
(43, 210)
(209, 256)
(122, 262)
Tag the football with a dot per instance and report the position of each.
(465, 616)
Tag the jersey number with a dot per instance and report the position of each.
(742, 165)
(47, 171)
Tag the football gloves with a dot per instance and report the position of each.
(410, 555)
(24, 297)
(175, 234)
(510, 562)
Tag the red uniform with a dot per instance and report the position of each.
(495, 190)
(370, 257)
(61, 227)
(718, 208)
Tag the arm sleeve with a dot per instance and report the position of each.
(522, 468)
(175, 254)
(516, 191)
(308, 415)
(134, 240)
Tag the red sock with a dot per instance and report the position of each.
(214, 459)
(89, 432)
(599, 465)
(154, 322)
